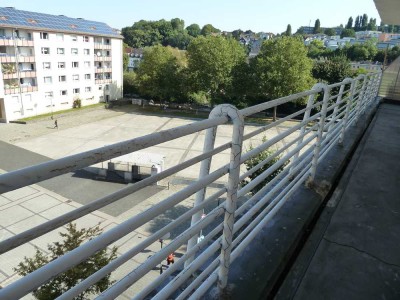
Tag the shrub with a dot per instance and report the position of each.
(63, 282)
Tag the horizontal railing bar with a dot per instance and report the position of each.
(198, 280)
(274, 124)
(216, 245)
(124, 283)
(33, 174)
(92, 279)
(74, 257)
(260, 178)
(204, 287)
(248, 155)
(270, 104)
(276, 153)
(57, 222)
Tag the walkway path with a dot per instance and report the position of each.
(354, 252)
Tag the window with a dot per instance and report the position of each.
(88, 89)
(75, 64)
(75, 77)
(60, 36)
(47, 79)
(74, 38)
(106, 87)
(74, 51)
(108, 53)
(86, 39)
(76, 91)
(45, 50)
(86, 51)
(60, 51)
(61, 65)
(48, 94)
(44, 36)
(87, 64)
(46, 65)
(63, 93)
(62, 78)
(87, 76)
(107, 41)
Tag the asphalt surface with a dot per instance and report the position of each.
(79, 186)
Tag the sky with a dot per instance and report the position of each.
(226, 15)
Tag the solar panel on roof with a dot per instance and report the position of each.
(61, 23)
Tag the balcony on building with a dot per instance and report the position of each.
(24, 85)
(15, 37)
(102, 43)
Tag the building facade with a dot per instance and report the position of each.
(49, 62)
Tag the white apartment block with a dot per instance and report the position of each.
(47, 62)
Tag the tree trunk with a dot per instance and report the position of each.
(274, 116)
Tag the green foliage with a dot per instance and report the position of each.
(317, 27)
(193, 30)
(332, 70)
(208, 29)
(199, 98)
(210, 63)
(130, 83)
(77, 103)
(65, 281)
(330, 31)
(259, 159)
(288, 30)
(347, 33)
(283, 68)
(361, 52)
(349, 24)
(125, 61)
(160, 75)
(236, 34)
(316, 49)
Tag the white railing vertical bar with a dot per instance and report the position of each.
(320, 133)
(346, 116)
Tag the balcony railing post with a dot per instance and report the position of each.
(346, 115)
(360, 96)
(321, 126)
(338, 100)
(232, 189)
(307, 113)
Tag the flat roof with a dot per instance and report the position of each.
(14, 18)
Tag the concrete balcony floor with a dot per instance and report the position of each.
(354, 249)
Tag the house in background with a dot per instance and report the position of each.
(47, 62)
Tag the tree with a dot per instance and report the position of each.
(255, 160)
(130, 83)
(332, 70)
(330, 31)
(348, 33)
(236, 34)
(288, 30)
(357, 24)
(160, 74)
(316, 49)
(372, 24)
(178, 24)
(364, 22)
(193, 30)
(179, 39)
(349, 24)
(317, 26)
(208, 29)
(283, 68)
(65, 281)
(210, 63)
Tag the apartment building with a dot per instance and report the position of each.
(47, 62)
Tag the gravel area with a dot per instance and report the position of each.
(13, 132)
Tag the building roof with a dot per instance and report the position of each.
(14, 18)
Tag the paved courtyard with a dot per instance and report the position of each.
(37, 141)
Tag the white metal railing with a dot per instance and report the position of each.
(228, 227)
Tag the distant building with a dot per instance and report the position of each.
(135, 57)
(367, 66)
(47, 62)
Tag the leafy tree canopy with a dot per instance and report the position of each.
(193, 30)
(283, 67)
(65, 281)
